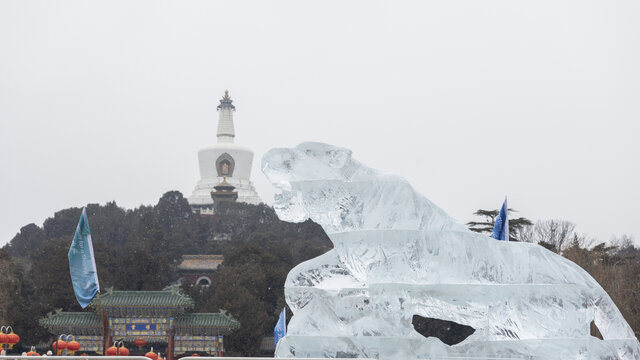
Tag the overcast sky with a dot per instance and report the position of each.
(469, 100)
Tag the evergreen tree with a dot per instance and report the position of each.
(29, 238)
(139, 249)
(515, 224)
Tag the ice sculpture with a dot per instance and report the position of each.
(397, 255)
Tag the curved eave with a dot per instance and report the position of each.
(145, 299)
(71, 320)
(206, 320)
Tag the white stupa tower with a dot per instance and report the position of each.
(224, 160)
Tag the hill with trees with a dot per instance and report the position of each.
(141, 248)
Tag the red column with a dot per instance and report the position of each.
(170, 344)
(220, 347)
(106, 336)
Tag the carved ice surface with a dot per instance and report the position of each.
(396, 255)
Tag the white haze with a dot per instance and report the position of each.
(469, 100)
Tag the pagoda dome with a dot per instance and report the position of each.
(211, 157)
(225, 159)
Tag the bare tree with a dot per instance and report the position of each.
(554, 234)
(622, 242)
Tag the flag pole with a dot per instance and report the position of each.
(506, 219)
(104, 325)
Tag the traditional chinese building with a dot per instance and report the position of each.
(199, 269)
(158, 317)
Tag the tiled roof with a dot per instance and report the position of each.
(74, 319)
(163, 298)
(88, 320)
(201, 262)
(206, 320)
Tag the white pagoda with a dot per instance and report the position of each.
(224, 161)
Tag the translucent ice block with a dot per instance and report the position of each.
(396, 255)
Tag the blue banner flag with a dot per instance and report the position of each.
(281, 327)
(501, 227)
(82, 263)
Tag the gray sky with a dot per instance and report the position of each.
(469, 100)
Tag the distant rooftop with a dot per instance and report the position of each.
(200, 262)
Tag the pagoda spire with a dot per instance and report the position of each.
(226, 131)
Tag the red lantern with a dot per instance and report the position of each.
(123, 351)
(112, 351)
(151, 355)
(73, 346)
(12, 339)
(3, 338)
(32, 353)
(58, 346)
(140, 343)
